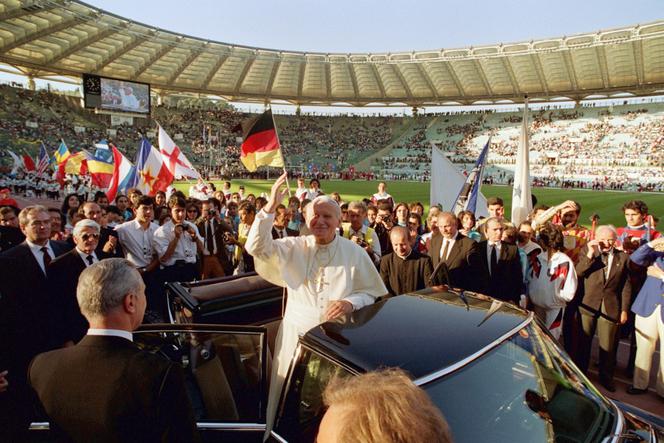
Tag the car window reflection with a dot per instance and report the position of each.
(522, 391)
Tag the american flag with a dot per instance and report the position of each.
(43, 160)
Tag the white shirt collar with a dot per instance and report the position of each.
(84, 257)
(112, 333)
(36, 248)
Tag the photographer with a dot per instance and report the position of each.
(361, 234)
(215, 262)
(384, 224)
(177, 243)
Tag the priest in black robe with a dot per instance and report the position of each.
(405, 269)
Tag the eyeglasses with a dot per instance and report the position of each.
(86, 237)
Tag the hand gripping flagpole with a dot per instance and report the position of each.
(281, 153)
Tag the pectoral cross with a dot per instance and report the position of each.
(319, 281)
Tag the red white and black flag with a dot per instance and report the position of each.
(260, 142)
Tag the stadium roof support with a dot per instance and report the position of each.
(68, 37)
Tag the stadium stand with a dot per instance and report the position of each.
(611, 147)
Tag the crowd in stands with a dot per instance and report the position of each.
(614, 147)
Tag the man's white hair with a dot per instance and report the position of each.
(322, 200)
(85, 223)
(609, 228)
(103, 286)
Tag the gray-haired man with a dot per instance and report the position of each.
(106, 386)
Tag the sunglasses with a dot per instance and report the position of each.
(86, 237)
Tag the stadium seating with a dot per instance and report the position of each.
(586, 146)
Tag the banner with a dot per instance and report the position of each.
(117, 120)
(445, 180)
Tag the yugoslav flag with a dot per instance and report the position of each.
(174, 158)
(152, 175)
(124, 174)
(260, 145)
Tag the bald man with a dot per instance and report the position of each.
(604, 271)
(405, 269)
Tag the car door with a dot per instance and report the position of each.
(244, 300)
(225, 373)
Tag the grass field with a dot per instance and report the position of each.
(605, 203)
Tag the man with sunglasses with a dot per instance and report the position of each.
(63, 273)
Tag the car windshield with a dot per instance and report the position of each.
(524, 390)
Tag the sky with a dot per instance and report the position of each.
(382, 26)
(385, 25)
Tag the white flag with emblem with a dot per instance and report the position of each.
(174, 158)
(522, 203)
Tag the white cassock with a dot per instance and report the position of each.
(314, 276)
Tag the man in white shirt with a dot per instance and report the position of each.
(177, 243)
(361, 234)
(301, 190)
(327, 276)
(136, 238)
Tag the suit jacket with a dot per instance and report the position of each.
(106, 389)
(63, 273)
(650, 295)
(615, 290)
(289, 233)
(506, 281)
(463, 264)
(220, 228)
(27, 326)
(10, 237)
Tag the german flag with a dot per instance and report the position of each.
(260, 143)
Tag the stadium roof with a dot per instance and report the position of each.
(64, 37)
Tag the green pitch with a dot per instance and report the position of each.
(607, 203)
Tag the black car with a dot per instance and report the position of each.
(489, 366)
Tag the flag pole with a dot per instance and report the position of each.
(281, 153)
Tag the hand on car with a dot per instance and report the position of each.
(338, 308)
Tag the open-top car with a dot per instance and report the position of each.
(489, 366)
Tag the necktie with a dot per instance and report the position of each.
(90, 259)
(47, 257)
(209, 238)
(443, 256)
(605, 260)
(494, 259)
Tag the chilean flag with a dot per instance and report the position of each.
(260, 146)
(174, 158)
(152, 174)
(124, 174)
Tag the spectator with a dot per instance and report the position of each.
(383, 406)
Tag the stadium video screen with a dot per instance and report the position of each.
(116, 95)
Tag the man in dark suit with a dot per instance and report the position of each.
(604, 272)
(106, 388)
(63, 273)
(108, 238)
(212, 227)
(459, 256)
(27, 320)
(280, 225)
(501, 263)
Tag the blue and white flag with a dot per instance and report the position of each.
(467, 198)
(103, 152)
